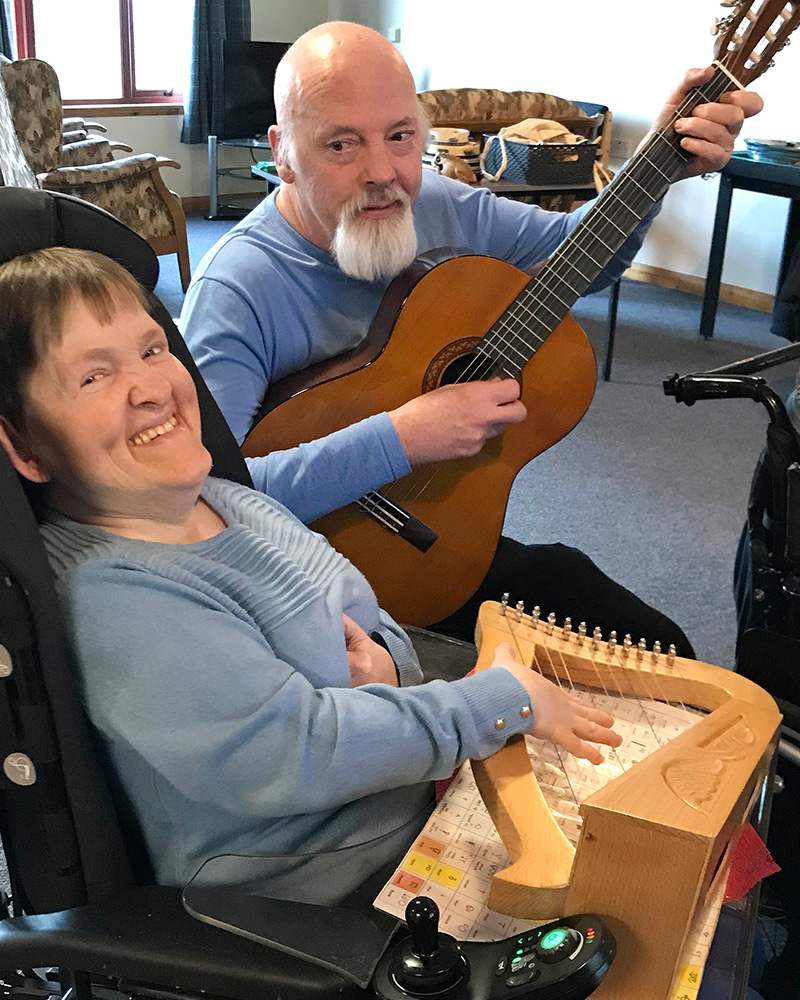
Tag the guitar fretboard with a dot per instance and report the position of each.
(545, 301)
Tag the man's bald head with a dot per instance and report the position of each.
(335, 56)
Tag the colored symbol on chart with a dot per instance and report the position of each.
(445, 875)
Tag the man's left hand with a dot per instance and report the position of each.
(709, 132)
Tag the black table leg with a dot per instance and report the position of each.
(714, 274)
(611, 329)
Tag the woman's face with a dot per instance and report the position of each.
(112, 420)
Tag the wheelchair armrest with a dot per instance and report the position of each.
(144, 935)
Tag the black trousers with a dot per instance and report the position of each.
(565, 581)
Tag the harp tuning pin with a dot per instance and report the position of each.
(627, 643)
(612, 642)
(503, 604)
(581, 633)
(520, 608)
(671, 654)
(551, 623)
(565, 631)
(641, 649)
(597, 638)
(536, 614)
(656, 650)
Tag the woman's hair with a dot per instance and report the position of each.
(35, 291)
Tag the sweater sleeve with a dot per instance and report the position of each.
(315, 478)
(197, 692)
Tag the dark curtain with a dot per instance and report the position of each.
(6, 34)
(214, 21)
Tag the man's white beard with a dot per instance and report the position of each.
(370, 249)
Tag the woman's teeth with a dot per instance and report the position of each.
(155, 432)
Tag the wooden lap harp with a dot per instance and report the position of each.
(653, 838)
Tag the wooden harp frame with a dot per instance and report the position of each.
(652, 838)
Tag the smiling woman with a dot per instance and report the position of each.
(251, 695)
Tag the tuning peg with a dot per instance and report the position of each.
(656, 650)
(581, 633)
(503, 604)
(565, 631)
(551, 622)
(612, 642)
(520, 608)
(597, 638)
(536, 614)
(671, 654)
(641, 649)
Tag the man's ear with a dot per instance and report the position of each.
(22, 457)
(285, 171)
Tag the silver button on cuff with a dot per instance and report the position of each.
(499, 723)
(525, 711)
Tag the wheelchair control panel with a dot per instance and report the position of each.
(562, 960)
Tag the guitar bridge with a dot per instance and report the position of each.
(397, 520)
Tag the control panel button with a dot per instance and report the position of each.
(558, 943)
(520, 978)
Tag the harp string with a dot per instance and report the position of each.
(554, 666)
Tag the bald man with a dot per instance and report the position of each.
(300, 279)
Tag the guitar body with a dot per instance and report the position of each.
(463, 501)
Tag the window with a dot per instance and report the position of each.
(111, 51)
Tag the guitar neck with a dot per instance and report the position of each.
(546, 299)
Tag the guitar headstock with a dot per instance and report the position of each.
(751, 35)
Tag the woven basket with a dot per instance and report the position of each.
(544, 163)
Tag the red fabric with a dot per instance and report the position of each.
(751, 861)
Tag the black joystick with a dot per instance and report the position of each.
(428, 962)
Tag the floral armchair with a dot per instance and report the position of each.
(131, 188)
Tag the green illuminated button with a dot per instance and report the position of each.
(559, 943)
(553, 939)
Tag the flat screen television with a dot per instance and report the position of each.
(248, 74)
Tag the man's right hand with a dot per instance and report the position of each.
(455, 421)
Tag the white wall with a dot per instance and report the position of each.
(627, 55)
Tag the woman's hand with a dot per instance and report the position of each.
(369, 662)
(559, 716)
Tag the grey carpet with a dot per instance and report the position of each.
(655, 492)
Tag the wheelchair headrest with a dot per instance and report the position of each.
(32, 220)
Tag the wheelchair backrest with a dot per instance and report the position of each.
(67, 840)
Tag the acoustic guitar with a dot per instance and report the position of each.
(426, 542)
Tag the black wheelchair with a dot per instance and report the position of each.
(767, 592)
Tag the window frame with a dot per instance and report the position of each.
(131, 97)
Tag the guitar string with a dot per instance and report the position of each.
(411, 482)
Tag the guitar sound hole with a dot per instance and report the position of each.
(458, 361)
(469, 368)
